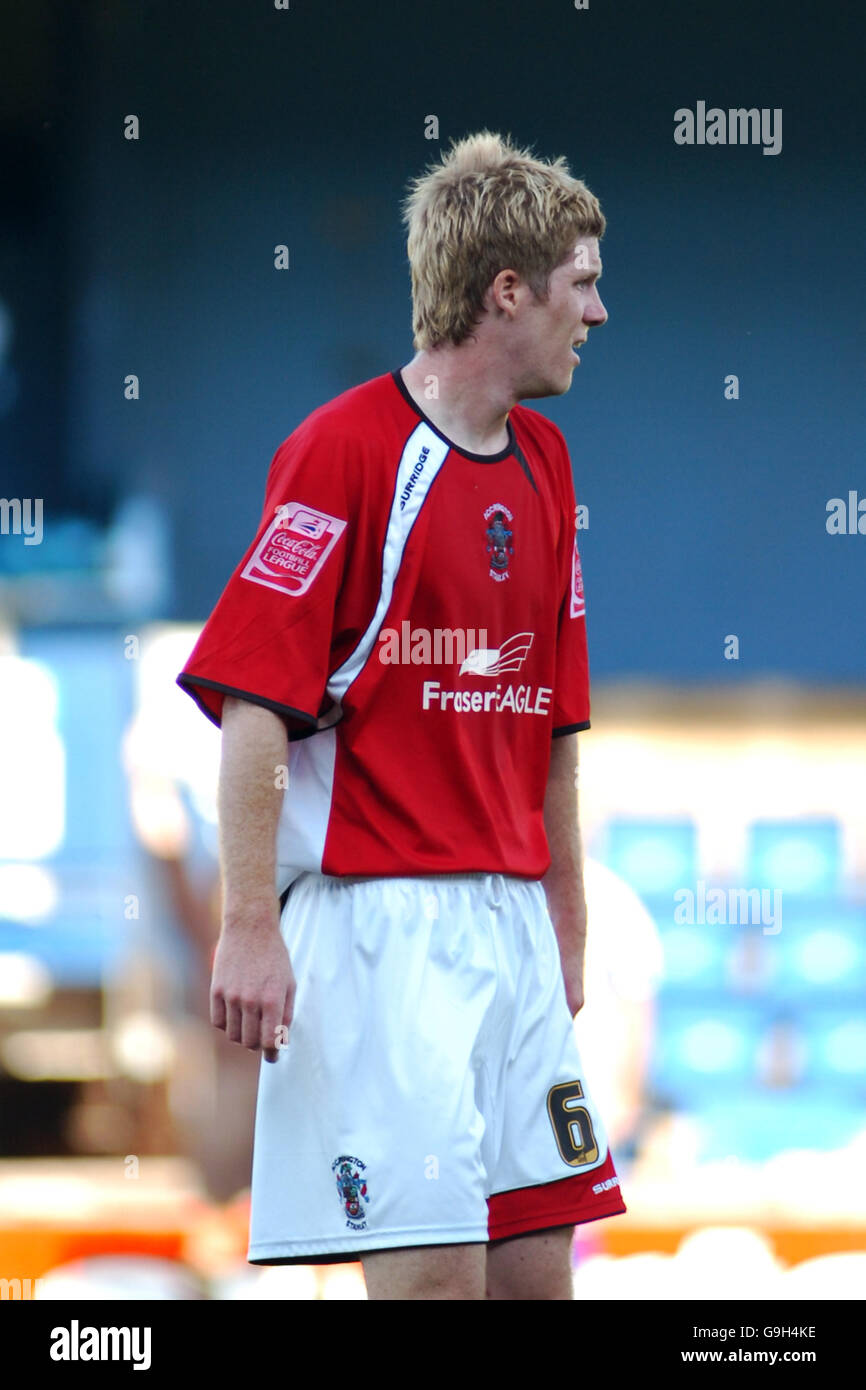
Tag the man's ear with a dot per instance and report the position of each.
(504, 291)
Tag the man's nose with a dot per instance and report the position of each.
(595, 312)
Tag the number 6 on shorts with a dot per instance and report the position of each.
(572, 1126)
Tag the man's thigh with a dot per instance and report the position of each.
(536, 1266)
(532, 1266)
(426, 1272)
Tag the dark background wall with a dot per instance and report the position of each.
(258, 127)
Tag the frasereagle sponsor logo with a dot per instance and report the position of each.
(519, 699)
(502, 698)
(493, 661)
(352, 1189)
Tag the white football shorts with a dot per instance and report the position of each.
(430, 1091)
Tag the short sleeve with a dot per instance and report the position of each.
(269, 638)
(571, 690)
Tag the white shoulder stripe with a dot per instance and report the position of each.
(422, 458)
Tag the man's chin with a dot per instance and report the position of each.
(536, 390)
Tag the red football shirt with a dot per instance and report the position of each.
(415, 614)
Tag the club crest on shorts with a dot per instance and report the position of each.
(352, 1189)
(499, 537)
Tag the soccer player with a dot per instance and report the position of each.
(399, 667)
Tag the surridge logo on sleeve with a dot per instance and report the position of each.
(294, 548)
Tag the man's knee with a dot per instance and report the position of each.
(426, 1272)
(534, 1266)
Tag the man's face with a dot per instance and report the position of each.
(549, 330)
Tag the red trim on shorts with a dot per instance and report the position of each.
(566, 1202)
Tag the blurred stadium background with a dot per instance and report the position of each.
(728, 1052)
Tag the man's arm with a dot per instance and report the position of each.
(563, 882)
(253, 988)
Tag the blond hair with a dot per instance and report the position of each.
(488, 206)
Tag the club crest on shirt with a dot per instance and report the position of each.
(352, 1189)
(499, 537)
(294, 548)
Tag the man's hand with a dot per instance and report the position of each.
(253, 987)
(572, 975)
(563, 882)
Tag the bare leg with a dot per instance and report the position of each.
(534, 1266)
(426, 1272)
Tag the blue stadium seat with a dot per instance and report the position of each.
(704, 1049)
(695, 959)
(796, 856)
(834, 1041)
(655, 856)
(820, 953)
